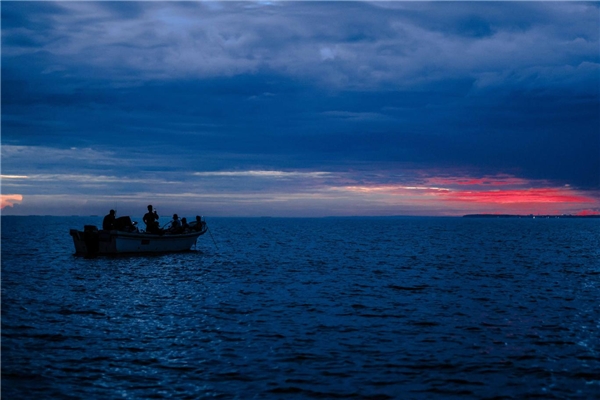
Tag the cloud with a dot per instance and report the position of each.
(497, 180)
(541, 195)
(264, 174)
(9, 200)
(110, 98)
(364, 46)
(300, 193)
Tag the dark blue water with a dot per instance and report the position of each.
(308, 308)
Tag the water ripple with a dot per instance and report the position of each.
(324, 308)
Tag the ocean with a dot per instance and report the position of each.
(270, 308)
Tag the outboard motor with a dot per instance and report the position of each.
(90, 237)
(124, 224)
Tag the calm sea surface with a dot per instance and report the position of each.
(307, 308)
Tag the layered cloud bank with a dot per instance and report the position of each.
(301, 108)
(297, 193)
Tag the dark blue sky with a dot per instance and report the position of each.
(301, 108)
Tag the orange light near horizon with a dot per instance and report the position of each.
(9, 200)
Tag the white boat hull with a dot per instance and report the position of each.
(90, 242)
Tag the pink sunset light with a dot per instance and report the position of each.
(585, 213)
(519, 196)
(501, 194)
(9, 200)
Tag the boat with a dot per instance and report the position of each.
(130, 240)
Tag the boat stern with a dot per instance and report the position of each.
(91, 241)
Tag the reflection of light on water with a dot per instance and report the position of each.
(369, 300)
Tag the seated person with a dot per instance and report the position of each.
(108, 222)
(198, 225)
(184, 225)
(175, 224)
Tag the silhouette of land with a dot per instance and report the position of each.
(527, 216)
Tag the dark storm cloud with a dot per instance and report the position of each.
(186, 87)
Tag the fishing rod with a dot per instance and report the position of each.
(166, 224)
(211, 236)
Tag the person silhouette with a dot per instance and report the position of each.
(151, 220)
(108, 222)
(184, 224)
(175, 224)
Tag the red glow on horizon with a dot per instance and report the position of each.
(504, 193)
(585, 213)
(518, 196)
(487, 198)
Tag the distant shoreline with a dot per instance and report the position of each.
(338, 216)
(527, 216)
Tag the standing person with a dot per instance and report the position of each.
(108, 222)
(151, 220)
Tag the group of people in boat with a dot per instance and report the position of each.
(177, 225)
